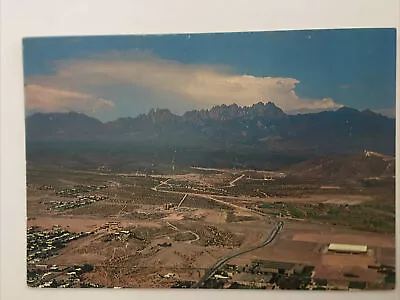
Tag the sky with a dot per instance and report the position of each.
(109, 77)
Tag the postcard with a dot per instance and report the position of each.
(241, 160)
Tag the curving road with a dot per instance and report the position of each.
(271, 237)
(187, 231)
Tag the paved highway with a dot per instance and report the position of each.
(273, 234)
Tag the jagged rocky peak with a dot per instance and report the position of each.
(267, 109)
(222, 112)
(159, 112)
(232, 111)
(161, 115)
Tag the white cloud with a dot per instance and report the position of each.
(192, 83)
(315, 106)
(40, 98)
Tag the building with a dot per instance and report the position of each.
(357, 285)
(347, 248)
(267, 267)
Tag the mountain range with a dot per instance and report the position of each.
(262, 126)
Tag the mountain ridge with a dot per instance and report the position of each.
(243, 110)
(262, 125)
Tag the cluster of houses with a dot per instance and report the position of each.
(71, 192)
(46, 187)
(44, 244)
(264, 274)
(53, 276)
(199, 189)
(81, 201)
(261, 274)
(122, 235)
(76, 192)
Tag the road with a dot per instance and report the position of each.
(271, 237)
(161, 184)
(232, 205)
(208, 196)
(187, 231)
(232, 183)
(183, 199)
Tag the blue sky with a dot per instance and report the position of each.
(300, 71)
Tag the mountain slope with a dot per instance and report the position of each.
(63, 126)
(365, 165)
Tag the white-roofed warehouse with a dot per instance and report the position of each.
(347, 248)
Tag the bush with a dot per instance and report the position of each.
(87, 268)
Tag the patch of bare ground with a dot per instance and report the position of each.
(174, 217)
(184, 236)
(343, 260)
(347, 273)
(239, 217)
(95, 250)
(322, 198)
(201, 202)
(183, 256)
(76, 259)
(99, 209)
(143, 268)
(215, 217)
(386, 256)
(283, 251)
(110, 276)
